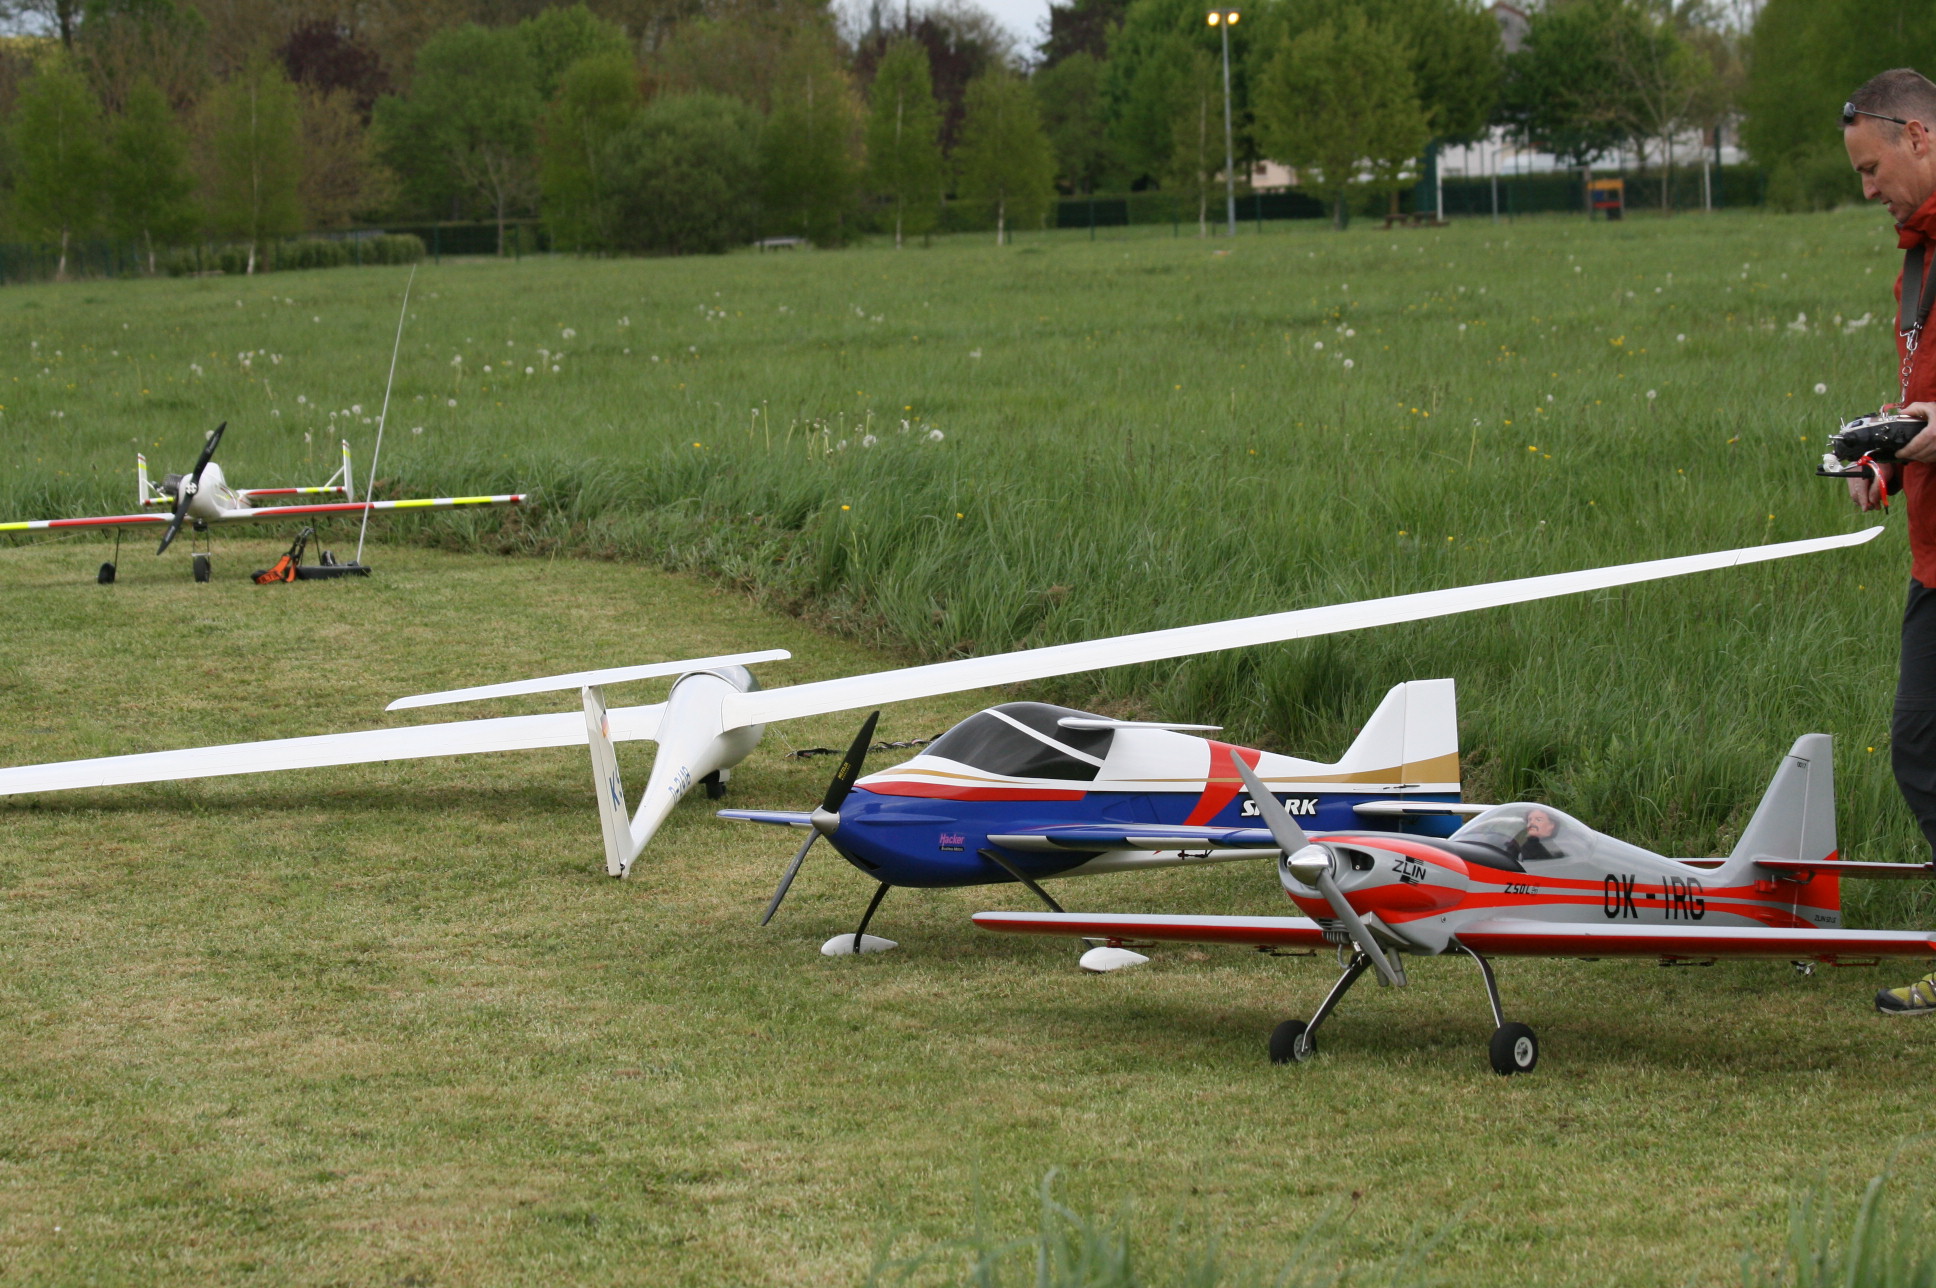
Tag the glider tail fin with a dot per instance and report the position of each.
(349, 475)
(606, 784)
(141, 479)
(1413, 736)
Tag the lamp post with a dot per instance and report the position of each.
(1225, 19)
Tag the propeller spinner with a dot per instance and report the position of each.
(826, 819)
(190, 484)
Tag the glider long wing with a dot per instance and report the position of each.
(827, 696)
(100, 521)
(249, 514)
(455, 738)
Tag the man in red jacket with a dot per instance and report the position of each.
(1889, 126)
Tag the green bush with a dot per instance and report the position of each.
(312, 252)
(1816, 179)
(684, 175)
(393, 248)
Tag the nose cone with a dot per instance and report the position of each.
(1397, 885)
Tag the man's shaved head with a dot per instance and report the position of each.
(1901, 91)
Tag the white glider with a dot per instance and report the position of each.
(714, 715)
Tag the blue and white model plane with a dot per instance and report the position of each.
(1026, 791)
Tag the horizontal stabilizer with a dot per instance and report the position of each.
(1056, 838)
(457, 738)
(1251, 932)
(1098, 722)
(1850, 868)
(1417, 809)
(580, 679)
(827, 696)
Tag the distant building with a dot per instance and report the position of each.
(1512, 22)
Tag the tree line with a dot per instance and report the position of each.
(631, 126)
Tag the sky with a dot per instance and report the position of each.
(1025, 19)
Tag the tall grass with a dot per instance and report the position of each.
(1881, 1241)
(1141, 433)
(1074, 1249)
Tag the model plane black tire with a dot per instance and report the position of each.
(1515, 1049)
(1288, 1045)
(105, 577)
(201, 567)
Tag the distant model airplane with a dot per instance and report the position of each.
(202, 497)
(1527, 880)
(1026, 791)
(714, 715)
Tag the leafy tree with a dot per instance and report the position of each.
(1081, 27)
(557, 38)
(1004, 155)
(1564, 92)
(1340, 103)
(1143, 81)
(904, 138)
(57, 135)
(324, 56)
(253, 128)
(1069, 93)
(120, 43)
(342, 174)
(1196, 134)
(1665, 79)
(809, 166)
(598, 98)
(1805, 56)
(684, 175)
(963, 42)
(150, 192)
(469, 126)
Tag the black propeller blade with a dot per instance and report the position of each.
(189, 485)
(827, 817)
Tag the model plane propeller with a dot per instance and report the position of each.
(715, 713)
(1527, 880)
(202, 498)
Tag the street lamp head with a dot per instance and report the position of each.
(1226, 17)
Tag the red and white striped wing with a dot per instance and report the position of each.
(100, 521)
(357, 507)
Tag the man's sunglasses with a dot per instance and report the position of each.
(1850, 111)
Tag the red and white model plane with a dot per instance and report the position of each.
(1526, 880)
(203, 497)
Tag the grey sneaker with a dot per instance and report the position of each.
(1918, 998)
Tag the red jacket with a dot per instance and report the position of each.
(1919, 385)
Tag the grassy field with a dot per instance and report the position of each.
(390, 1026)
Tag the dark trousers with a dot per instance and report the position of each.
(1912, 734)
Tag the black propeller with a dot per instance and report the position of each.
(827, 818)
(190, 484)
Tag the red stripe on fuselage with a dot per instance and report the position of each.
(1222, 784)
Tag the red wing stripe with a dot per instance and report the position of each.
(1272, 932)
(104, 521)
(380, 507)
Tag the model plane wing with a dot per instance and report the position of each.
(1513, 938)
(99, 521)
(1250, 932)
(1056, 837)
(454, 738)
(827, 696)
(357, 507)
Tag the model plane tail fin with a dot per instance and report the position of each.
(1796, 817)
(1413, 737)
(606, 784)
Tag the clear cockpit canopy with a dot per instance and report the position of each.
(1024, 740)
(1534, 833)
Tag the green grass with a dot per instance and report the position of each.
(389, 1024)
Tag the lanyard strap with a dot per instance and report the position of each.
(1918, 291)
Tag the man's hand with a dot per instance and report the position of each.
(1867, 493)
(1923, 446)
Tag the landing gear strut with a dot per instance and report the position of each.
(1514, 1048)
